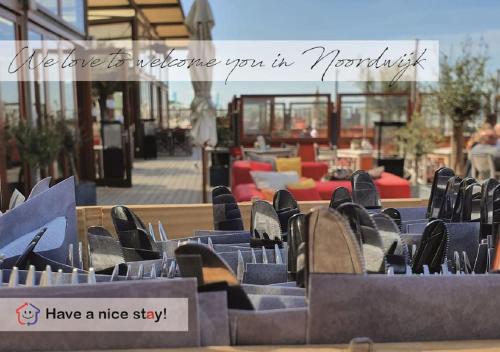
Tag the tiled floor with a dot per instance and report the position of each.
(162, 181)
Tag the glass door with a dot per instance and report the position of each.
(111, 134)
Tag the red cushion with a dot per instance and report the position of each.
(305, 193)
(240, 173)
(306, 152)
(314, 170)
(389, 186)
(326, 188)
(260, 166)
(392, 186)
(245, 192)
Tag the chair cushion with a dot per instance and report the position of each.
(326, 188)
(315, 170)
(306, 152)
(302, 194)
(302, 184)
(392, 186)
(289, 164)
(274, 180)
(246, 192)
(260, 166)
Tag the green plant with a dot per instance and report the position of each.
(38, 146)
(417, 139)
(460, 93)
(68, 143)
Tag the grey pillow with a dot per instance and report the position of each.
(263, 159)
(274, 180)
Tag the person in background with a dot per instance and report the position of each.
(497, 132)
(487, 144)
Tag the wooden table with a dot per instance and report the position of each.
(441, 346)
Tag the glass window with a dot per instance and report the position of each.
(155, 110)
(73, 12)
(358, 113)
(50, 5)
(257, 116)
(69, 111)
(145, 100)
(164, 108)
(10, 116)
(286, 117)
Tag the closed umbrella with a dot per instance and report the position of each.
(200, 22)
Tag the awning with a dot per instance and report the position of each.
(164, 17)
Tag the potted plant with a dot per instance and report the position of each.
(38, 146)
(460, 93)
(416, 139)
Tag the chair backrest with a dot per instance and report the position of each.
(306, 152)
(482, 166)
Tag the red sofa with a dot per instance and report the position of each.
(244, 189)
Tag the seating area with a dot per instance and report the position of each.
(245, 189)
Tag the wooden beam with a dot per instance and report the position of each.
(442, 346)
(176, 23)
(130, 7)
(181, 220)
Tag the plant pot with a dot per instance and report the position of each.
(86, 193)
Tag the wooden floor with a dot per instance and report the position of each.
(167, 180)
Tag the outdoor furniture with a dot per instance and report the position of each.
(307, 152)
(276, 152)
(244, 188)
(483, 167)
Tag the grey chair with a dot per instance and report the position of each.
(483, 167)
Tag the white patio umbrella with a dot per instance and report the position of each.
(200, 22)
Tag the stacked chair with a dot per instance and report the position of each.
(345, 270)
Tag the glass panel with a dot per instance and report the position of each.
(69, 112)
(360, 112)
(385, 132)
(145, 100)
(54, 108)
(292, 117)
(50, 5)
(155, 111)
(164, 108)
(73, 12)
(10, 113)
(257, 116)
(118, 106)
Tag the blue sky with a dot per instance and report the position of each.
(449, 21)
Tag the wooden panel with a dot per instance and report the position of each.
(181, 220)
(442, 346)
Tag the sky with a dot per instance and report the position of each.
(449, 21)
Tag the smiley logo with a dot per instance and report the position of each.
(27, 314)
